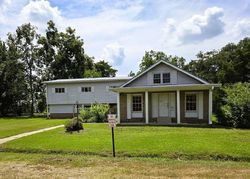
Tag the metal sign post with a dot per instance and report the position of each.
(112, 124)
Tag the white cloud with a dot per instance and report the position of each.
(242, 27)
(114, 54)
(197, 28)
(39, 13)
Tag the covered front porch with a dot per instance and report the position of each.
(165, 105)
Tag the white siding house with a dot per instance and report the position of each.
(62, 95)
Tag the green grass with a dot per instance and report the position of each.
(142, 141)
(13, 126)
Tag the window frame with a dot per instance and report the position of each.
(192, 102)
(169, 77)
(141, 103)
(157, 79)
(59, 90)
(83, 89)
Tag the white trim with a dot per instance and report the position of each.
(166, 88)
(178, 105)
(146, 107)
(210, 106)
(166, 63)
(118, 108)
(141, 103)
(129, 106)
(191, 113)
(200, 105)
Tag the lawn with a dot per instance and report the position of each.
(13, 126)
(142, 141)
(22, 165)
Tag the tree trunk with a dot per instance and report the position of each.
(31, 92)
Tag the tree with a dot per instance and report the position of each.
(236, 110)
(105, 69)
(12, 86)
(26, 37)
(131, 74)
(92, 74)
(62, 54)
(228, 65)
(151, 57)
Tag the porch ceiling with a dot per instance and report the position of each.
(167, 88)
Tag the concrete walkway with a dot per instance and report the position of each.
(7, 139)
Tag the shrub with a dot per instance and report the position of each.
(96, 113)
(236, 111)
(74, 125)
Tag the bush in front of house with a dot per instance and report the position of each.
(96, 113)
(74, 124)
(236, 110)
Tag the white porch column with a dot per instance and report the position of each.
(210, 106)
(146, 107)
(118, 108)
(178, 106)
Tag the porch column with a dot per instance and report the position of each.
(146, 107)
(118, 108)
(178, 106)
(210, 106)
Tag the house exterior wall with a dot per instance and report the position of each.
(61, 105)
(194, 120)
(123, 109)
(170, 119)
(176, 77)
(100, 93)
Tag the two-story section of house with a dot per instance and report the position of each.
(62, 95)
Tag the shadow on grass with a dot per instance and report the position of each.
(176, 155)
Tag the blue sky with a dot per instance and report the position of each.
(121, 31)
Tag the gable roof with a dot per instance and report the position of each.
(168, 64)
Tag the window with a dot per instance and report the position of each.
(137, 103)
(59, 90)
(157, 78)
(166, 77)
(86, 89)
(191, 102)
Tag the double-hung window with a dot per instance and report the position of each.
(157, 78)
(59, 90)
(86, 89)
(191, 102)
(137, 103)
(166, 78)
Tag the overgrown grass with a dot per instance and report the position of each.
(142, 141)
(13, 126)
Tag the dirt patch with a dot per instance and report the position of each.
(119, 170)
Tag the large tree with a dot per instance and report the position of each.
(228, 65)
(12, 87)
(26, 41)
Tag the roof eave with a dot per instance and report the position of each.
(167, 88)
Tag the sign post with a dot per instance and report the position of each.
(112, 124)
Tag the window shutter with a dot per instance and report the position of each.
(92, 89)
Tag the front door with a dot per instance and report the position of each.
(163, 104)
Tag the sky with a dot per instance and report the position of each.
(121, 31)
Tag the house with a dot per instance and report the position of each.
(63, 95)
(165, 94)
